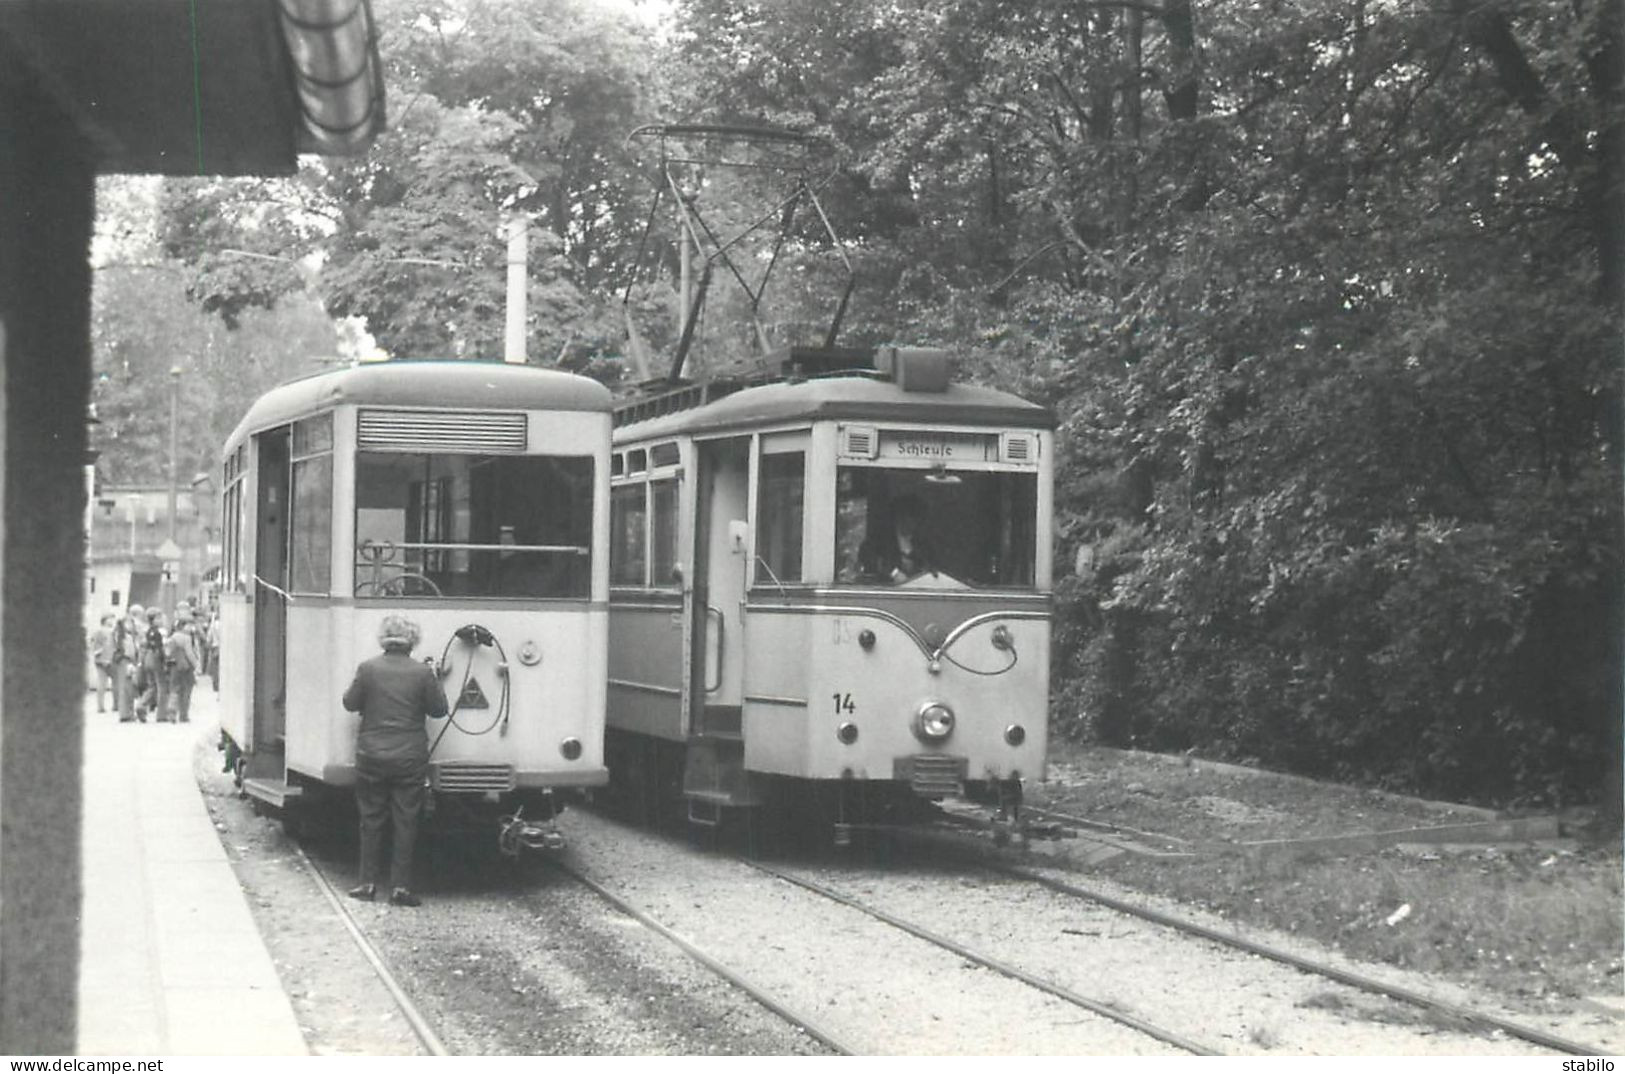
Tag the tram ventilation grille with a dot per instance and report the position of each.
(933, 775)
(859, 441)
(461, 777)
(422, 430)
(1019, 448)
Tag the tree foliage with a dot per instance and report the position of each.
(150, 339)
(1325, 295)
(495, 110)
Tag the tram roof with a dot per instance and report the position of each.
(449, 384)
(854, 398)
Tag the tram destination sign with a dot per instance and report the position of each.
(924, 446)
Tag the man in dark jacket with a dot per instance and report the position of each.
(153, 671)
(902, 553)
(393, 693)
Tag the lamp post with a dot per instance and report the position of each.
(170, 581)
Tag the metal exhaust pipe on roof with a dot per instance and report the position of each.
(517, 231)
(334, 48)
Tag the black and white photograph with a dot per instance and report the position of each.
(805, 529)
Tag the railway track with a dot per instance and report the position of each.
(1169, 843)
(832, 1039)
(810, 1022)
(421, 1028)
(1094, 1006)
(430, 1040)
(1363, 982)
(806, 1023)
(814, 1027)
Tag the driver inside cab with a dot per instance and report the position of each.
(902, 553)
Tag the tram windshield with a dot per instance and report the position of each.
(935, 528)
(473, 525)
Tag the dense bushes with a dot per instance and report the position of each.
(1431, 660)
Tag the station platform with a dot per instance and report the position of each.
(171, 962)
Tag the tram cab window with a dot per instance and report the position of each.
(779, 502)
(970, 528)
(473, 525)
(310, 525)
(310, 506)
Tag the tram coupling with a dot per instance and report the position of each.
(517, 834)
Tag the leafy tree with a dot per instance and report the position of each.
(144, 325)
(496, 109)
(1341, 403)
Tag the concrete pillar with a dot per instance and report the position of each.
(47, 206)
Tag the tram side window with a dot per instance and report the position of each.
(473, 525)
(233, 577)
(974, 528)
(779, 500)
(627, 518)
(643, 534)
(232, 539)
(310, 522)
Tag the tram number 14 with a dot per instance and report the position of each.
(843, 704)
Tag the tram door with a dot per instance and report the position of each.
(270, 601)
(714, 671)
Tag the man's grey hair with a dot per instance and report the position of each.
(398, 632)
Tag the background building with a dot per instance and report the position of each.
(128, 525)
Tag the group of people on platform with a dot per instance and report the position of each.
(149, 667)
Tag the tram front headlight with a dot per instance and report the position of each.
(933, 723)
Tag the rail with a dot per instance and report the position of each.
(1532, 1034)
(1094, 1006)
(420, 1026)
(813, 1029)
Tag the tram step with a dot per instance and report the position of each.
(276, 793)
(718, 736)
(721, 720)
(714, 769)
(705, 811)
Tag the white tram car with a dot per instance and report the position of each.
(472, 497)
(754, 661)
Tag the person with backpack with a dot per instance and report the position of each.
(211, 639)
(101, 654)
(181, 660)
(155, 697)
(128, 636)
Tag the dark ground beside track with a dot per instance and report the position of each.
(1537, 922)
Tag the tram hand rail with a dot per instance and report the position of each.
(710, 610)
(278, 590)
(435, 546)
(396, 584)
